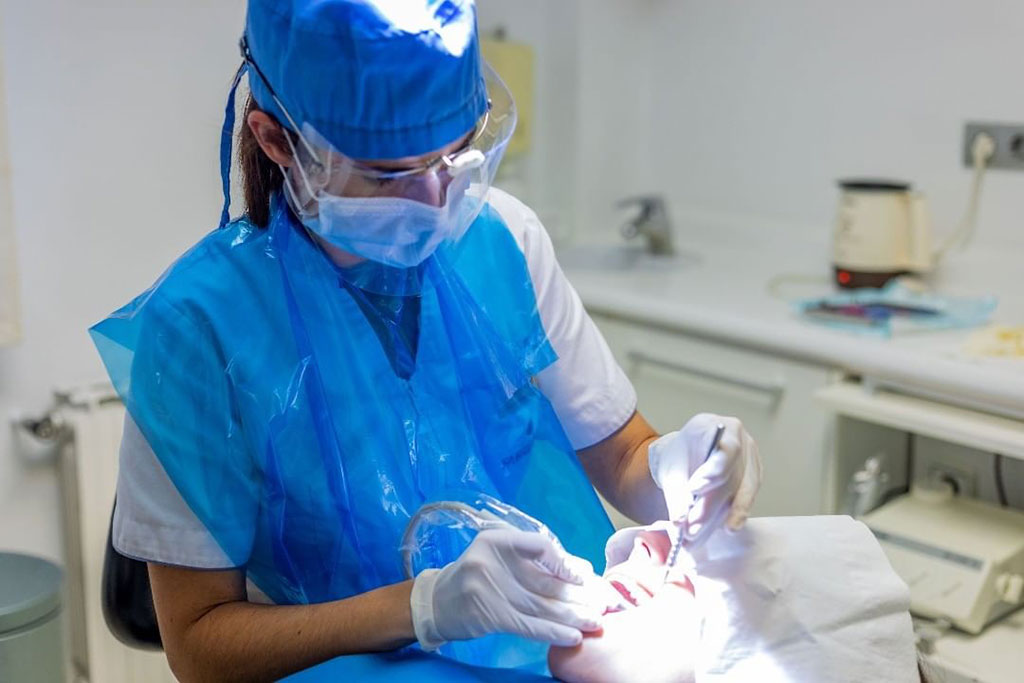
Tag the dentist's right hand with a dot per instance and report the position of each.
(507, 581)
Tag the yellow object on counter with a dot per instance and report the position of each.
(1002, 341)
(514, 63)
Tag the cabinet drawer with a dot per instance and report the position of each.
(677, 376)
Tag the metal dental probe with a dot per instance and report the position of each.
(674, 552)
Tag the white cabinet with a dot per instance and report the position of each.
(677, 376)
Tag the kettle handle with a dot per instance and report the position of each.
(919, 256)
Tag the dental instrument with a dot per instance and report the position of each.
(681, 538)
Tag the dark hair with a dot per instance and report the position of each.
(261, 177)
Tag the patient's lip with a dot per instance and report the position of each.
(623, 590)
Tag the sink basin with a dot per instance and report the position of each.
(621, 258)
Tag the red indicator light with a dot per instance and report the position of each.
(844, 277)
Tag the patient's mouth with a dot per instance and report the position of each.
(626, 593)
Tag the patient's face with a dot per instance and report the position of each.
(655, 640)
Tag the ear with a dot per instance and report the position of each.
(270, 137)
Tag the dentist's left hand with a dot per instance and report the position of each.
(704, 491)
(507, 581)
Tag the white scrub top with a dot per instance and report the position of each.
(590, 393)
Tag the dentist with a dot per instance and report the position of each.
(379, 330)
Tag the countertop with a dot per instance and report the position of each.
(720, 289)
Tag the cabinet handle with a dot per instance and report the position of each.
(773, 389)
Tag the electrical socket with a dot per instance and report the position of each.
(1009, 138)
(971, 469)
(964, 480)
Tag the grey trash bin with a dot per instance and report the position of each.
(31, 638)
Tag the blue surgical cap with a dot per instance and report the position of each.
(378, 79)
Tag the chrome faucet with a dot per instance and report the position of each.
(652, 222)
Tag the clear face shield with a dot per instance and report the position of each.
(390, 211)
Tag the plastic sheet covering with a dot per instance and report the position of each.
(305, 412)
(896, 308)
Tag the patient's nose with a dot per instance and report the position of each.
(640, 549)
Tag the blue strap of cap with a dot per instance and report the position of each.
(227, 131)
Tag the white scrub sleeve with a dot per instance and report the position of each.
(590, 393)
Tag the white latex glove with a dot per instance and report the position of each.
(507, 581)
(720, 487)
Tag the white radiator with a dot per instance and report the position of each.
(88, 472)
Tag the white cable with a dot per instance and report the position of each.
(983, 147)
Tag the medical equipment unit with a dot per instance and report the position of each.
(963, 559)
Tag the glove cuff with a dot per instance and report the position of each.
(657, 455)
(421, 602)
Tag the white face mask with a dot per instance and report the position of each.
(391, 227)
(394, 231)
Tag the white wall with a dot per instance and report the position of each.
(617, 79)
(10, 317)
(114, 112)
(755, 108)
(547, 180)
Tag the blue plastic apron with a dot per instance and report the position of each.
(279, 406)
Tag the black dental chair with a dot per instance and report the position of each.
(127, 598)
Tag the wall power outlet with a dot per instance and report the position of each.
(1009, 137)
(971, 469)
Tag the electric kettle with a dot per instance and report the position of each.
(882, 231)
